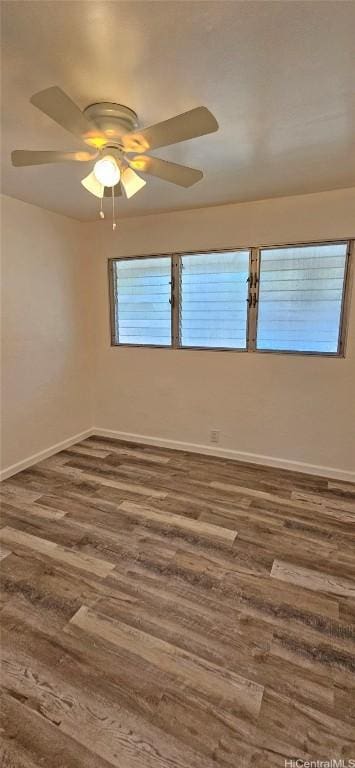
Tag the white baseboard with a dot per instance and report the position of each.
(162, 442)
(229, 453)
(36, 457)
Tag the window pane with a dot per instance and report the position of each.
(214, 293)
(300, 297)
(143, 309)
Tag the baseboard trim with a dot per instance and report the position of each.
(228, 453)
(162, 442)
(41, 455)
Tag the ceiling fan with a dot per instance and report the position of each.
(117, 145)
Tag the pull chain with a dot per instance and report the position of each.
(113, 209)
(102, 215)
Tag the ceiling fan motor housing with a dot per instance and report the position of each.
(113, 151)
(114, 120)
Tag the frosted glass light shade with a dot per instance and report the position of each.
(107, 171)
(131, 182)
(93, 185)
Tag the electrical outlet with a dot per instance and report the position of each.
(214, 436)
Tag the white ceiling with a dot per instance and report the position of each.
(279, 77)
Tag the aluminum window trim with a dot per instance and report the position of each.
(251, 344)
(113, 302)
(201, 253)
(345, 301)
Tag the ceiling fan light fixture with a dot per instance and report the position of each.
(92, 185)
(131, 182)
(107, 172)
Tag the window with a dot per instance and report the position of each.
(142, 291)
(280, 299)
(300, 298)
(213, 300)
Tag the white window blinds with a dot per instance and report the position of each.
(213, 299)
(300, 298)
(142, 290)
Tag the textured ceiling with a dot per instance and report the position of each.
(279, 77)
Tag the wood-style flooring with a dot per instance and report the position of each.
(170, 610)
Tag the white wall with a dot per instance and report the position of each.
(293, 408)
(61, 377)
(46, 350)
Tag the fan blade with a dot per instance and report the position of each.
(21, 157)
(117, 190)
(131, 182)
(176, 174)
(57, 105)
(189, 125)
(93, 185)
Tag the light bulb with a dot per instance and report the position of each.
(107, 171)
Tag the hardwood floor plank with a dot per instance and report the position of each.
(222, 518)
(11, 491)
(253, 592)
(56, 552)
(242, 645)
(44, 592)
(40, 737)
(162, 609)
(287, 727)
(183, 624)
(102, 726)
(214, 681)
(201, 528)
(145, 456)
(12, 755)
(117, 449)
(140, 490)
(113, 673)
(31, 509)
(4, 552)
(267, 496)
(316, 655)
(213, 730)
(81, 450)
(312, 579)
(344, 489)
(329, 501)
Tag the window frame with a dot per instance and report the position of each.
(345, 300)
(114, 326)
(252, 299)
(177, 286)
